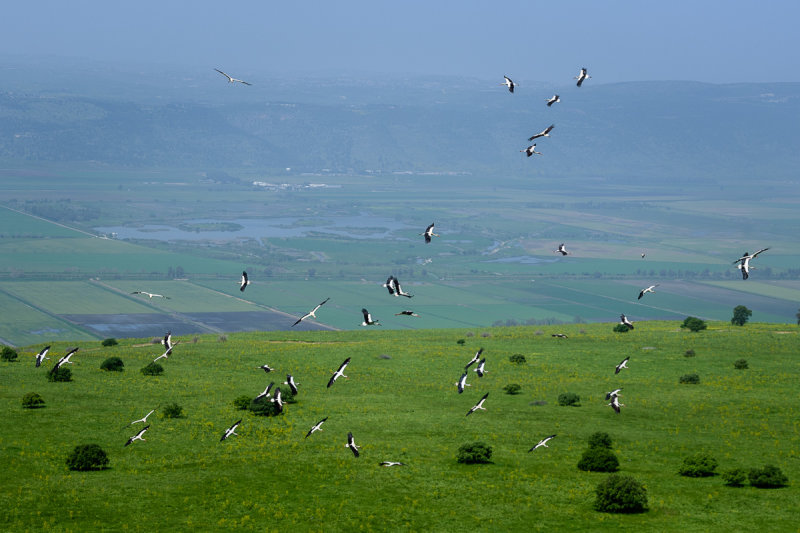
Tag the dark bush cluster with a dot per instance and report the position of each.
(694, 324)
(569, 399)
(700, 464)
(32, 400)
(599, 457)
(474, 453)
(460, 341)
(512, 388)
(9, 354)
(600, 439)
(689, 353)
(264, 407)
(113, 364)
(109, 342)
(620, 494)
(152, 369)
(62, 374)
(87, 457)
(767, 477)
(740, 364)
(690, 379)
(517, 359)
(242, 402)
(734, 477)
(172, 410)
(621, 328)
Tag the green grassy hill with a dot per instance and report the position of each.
(400, 402)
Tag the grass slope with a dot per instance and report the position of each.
(400, 402)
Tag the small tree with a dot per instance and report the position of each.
(172, 410)
(512, 388)
(264, 407)
(621, 328)
(740, 364)
(32, 400)
(569, 399)
(87, 457)
(517, 359)
(62, 374)
(689, 379)
(474, 453)
(242, 402)
(9, 354)
(113, 364)
(694, 324)
(768, 477)
(598, 459)
(741, 315)
(620, 494)
(111, 341)
(700, 464)
(152, 369)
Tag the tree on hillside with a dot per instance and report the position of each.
(741, 315)
(694, 324)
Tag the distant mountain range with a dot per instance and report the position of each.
(646, 132)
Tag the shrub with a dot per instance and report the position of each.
(32, 400)
(691, 379)
(486, 334)
(113, 364)
(474, 453)
(264, 407)
(172, 410)
(741, 315)
(242, 402)
(740, 364)
(460, 341)
(569, 398)
(621, 328)
(693, 324)
(87, 457)
(469, 334)
(689, 353)
(109, 342)
(512, 388)
(9, 354)
(734, 477)
(768, 477)
(598, 459)
(517, 358)
(63, 374)
(620, 494)
(600, 439)
(700, 464)
(153, 369)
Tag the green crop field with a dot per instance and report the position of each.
(400, 402)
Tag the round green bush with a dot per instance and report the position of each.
(689, 353)
(512, 388)
(621, 328)
(620, 494)
(172, 410)
(474, 453)
(264, 407)
(9, 354)
(689, 379)
(113, 364)
(569, 399)
(517, 359)
(694, 324)
(63, 374)
(700, 464)
(242, 402)
(740, 364)
(598, 459)
(152, 369)
(768, 477)
(600, 439)
(87, 457)
(460, 341)
(109, 342)
(734, 477)
(32, 400)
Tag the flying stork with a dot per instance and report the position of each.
(553, 100)
(41, 356)
(316, 427)
(244, 281)
(266, 392)
(542, 443)
(394, 288)
(339, 372)
(151, 295)
(428, 233)
(63, 360)
(544, 133)
(406, 313)
(480, 368)
(625, 322)
(231, 430)
(310, 313)
(143, 419)
(562, 249)
(368, 320)
(478, 405)
(475, 358)
(615, 405)
(391, 463)
(648, 289)
(266, 368)
(582, 76)
(231, 79)
(559, 335)
(462, 382)
(614, 392)
(277, 399)
(508, 83)
(744, 262)
(138, 436)
(351, 443)
(290, 381)
(168, 344)
(621, 365)
(530, 150)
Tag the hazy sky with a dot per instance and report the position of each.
(703, 40)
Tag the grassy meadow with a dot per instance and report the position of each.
(401, 404)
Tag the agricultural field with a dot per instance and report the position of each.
(401, 404)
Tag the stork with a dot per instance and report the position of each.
(428, 233)
(508, 83)
(339, 372)
(480, 368)
(648, 289)
(63, 360)
(244, 282)
(167, 353)
(278, 400)
(316, 427)
(391, 463)
(151, 295)
(266, 392)
(41, 356)
(138, 436)
(231, 430)
(744, 262)
(478, 405)
(625, 322)
(559, 335)
(475, 358)
(351, 443)
(368, 320)
(393, 286)
(143, 419)
(583, 76)
(290, 381)
(266, 368)
(553, 100)
(561, 250)
(462, 382)
(544, 133)
(615, 405)
(530, 150)
(231, 79)
(621, 365)
(542, 443)
(614, 392)
(406, 313)
(311, 313)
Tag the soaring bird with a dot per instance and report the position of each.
(266, 368)
(316, 427)
(625, 322)
(231, 79)
(310, 313)
(244, 281)
(530, 150)
(621, 365)
(266, 392)
(542, 442)
(351, 443)
(582, 76)
(393, 286)
(478, 405)
(391, 463)
(744, 262)
(406, 313)
(151, 295)
(278, 399)
(614, 392)
(508, 83)
(143, 419)
(231, 430)
(462, 382)
(138, 436)
(562, 249)
(428, 233)
(290, 381)
(63, 360)
(368, 320)
(480, 368)
(648, 289)
(41, 356)
(615, 405)
(543, 133)
(553, 100)
(339, 372)
(559, 335)
(168, 345)
(475, 358)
